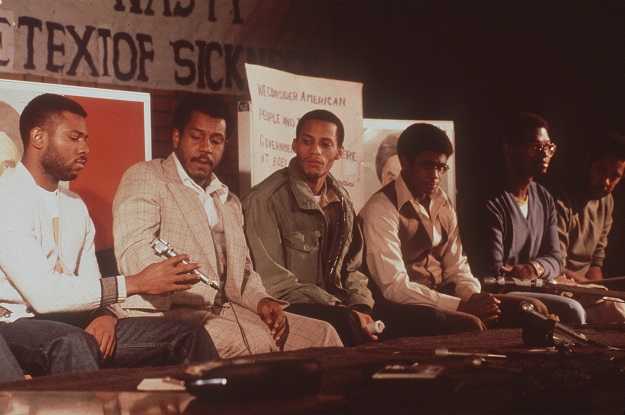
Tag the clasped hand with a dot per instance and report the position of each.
(482, 305)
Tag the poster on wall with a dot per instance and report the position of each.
(279, 99)
(381, 164)
(118, 124)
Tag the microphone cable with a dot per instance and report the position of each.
(162, 248)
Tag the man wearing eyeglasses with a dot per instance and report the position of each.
(413, 250)
(509, 225)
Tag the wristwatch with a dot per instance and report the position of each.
(538, 268)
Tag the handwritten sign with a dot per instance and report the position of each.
(279, 99)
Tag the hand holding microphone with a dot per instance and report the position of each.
(163, 277)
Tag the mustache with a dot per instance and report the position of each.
(203, 159)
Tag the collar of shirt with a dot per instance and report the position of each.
(429, 216)
(404, 195)
(327, 196)
(51, 200)
(190, 183)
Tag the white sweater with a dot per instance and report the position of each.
(28, 252)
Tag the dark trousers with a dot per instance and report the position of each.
(345, 321)
(407, 320)
(46, 347)
(43, 347)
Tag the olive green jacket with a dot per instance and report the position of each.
(286, 232)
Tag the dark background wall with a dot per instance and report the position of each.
(466, 61)
(469, 61)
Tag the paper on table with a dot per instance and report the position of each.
(161, 384)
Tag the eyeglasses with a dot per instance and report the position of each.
(537, 148)
(430, 166)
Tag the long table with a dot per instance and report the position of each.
(577, 379)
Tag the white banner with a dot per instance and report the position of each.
(279, 99)
(197, 45)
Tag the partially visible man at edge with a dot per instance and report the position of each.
(48, 263)
(584, 206)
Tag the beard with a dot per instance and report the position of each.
(54, 164)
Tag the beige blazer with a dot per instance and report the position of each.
(152, 201)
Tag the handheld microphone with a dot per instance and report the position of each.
(375, 327)
(163, 248)
(517, 282)
(528, 308)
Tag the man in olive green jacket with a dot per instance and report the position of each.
(303, 237)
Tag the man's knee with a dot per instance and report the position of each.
(325, 334)
(309, 332)
(198, 346)
(457, 322)
(574, 312)
(242, 341)
(73, 351)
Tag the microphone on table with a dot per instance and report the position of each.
(163, 248)
(442, 352)
(528, 308)
(517, 282)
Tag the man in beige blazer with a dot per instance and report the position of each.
(180, 200)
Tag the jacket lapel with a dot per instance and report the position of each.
(193, 213)
(235, 245)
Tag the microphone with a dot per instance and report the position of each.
(528, 308)
(442, 352)
(477, 362)
(517, 282)
(375, 327)
(163, 248)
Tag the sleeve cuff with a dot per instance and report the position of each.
(448, 302)
(113, 290)
(109, 291)
(121, 288)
